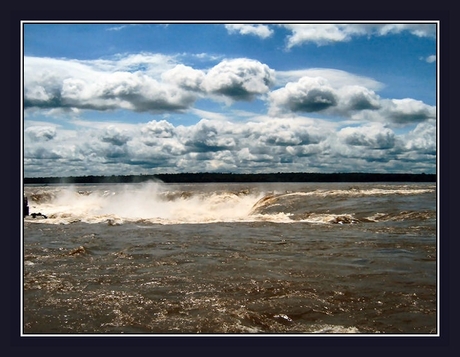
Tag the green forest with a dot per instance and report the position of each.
(233, 177)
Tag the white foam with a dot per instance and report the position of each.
(156, 202)
(151, 201)
(328, 329)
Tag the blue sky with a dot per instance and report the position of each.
(144, 98)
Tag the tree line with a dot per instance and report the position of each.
(208, 177)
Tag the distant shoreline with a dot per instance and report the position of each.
(233, 177)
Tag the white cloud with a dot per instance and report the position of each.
(422, 138)
(130, 83)
(239, 79)
(74, 86)
(431, 59)
(161, 129)
(324, 34)
(320, 34)
(417, 29)
(289, 144)
(336, 78)
(407, 110)
(40, 133)
(185, 77)
(372, 136)
(55, 83)
(115, 136)
(262, 31)
(319, 95)
(357, 98)
(359, 128)
(308, 94)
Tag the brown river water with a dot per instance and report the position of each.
(280, 258)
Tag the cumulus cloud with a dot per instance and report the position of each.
(114, 136)
(124, 90)
(309, 94)
(356, 98)
(232, 79)
(103, 85)
(161, 129)
(285, 139)
(289, 144)
(208, 136)
(407, 110)
(40, 133)
(130, 83)
(262, 31)
(52, 83)
(372, 136)
(319, 95)
(359, 128)
(324, 34)
(423, 138)
(239, 79)
(185, 77)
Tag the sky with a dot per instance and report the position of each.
(133, 98)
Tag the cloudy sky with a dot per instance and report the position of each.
(144, 98)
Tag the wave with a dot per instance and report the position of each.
(154, 202)
(298, 203)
